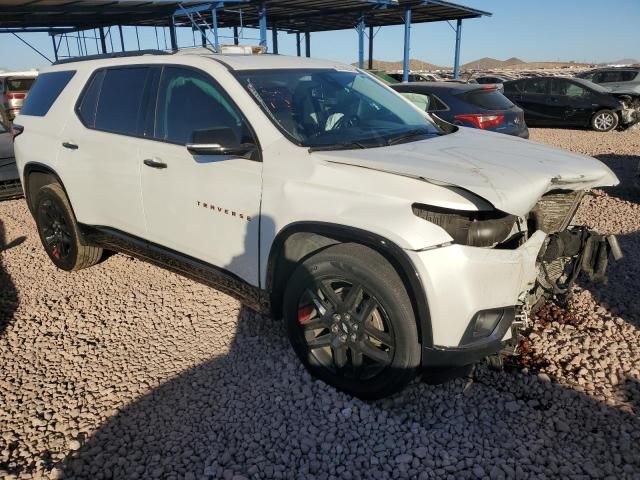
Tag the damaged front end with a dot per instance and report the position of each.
(568, 249)
(630, 112)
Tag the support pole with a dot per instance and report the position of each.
(103, 42)
(298, 44)
(370, 47)
(274, 39)
(456, 61)
(214, 22)
(361, 28)
(236, 39)
(121, 37)
(263, 25)
(55, 47)
(307, 43)
(172, 33)
(203, 38)
(407, 45)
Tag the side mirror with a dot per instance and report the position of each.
(218, 141)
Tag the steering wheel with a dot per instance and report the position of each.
(346, 122)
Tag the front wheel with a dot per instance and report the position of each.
(350, 320)
(604, 121)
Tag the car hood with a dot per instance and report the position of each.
(509, 172)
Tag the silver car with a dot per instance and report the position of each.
(618, 79)
(13, 91)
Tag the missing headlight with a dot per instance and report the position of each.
(473, 228)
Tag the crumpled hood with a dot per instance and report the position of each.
(509, 172)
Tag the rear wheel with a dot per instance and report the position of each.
(59, 232)
(350, 321)
(604, 121)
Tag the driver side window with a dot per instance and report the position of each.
(189, 101)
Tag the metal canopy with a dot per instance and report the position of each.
(59, 17)
(287, 15)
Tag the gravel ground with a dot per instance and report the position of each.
(128, 371)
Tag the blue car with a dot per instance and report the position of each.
(469, 105)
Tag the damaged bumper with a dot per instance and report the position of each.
(465, 285)
(476, 294)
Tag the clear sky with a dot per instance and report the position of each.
(533, 30)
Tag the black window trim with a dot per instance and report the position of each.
(161, 67)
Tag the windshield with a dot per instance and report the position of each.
(331, 108)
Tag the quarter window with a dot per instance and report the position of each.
(45, 91)
(189, 101)
(118, 109)
(426, 102)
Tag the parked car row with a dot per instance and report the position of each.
(570, 102)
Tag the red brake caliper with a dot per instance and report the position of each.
(56, 252)
(304, 313)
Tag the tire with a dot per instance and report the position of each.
(350, 321)
(59, 232)
(604, 121)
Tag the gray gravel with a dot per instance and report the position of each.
(128, 371)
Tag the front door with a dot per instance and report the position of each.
(205, 206)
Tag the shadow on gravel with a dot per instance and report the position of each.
(8, 292)
(621, 292)
(255, 413)
(627, 168)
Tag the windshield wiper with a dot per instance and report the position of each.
(410, 134)
(337, 146)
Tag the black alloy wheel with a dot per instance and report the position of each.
(58, 241)
(346, 329)
(59, 231)
(351, 322)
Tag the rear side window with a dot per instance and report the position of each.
(488, 99)
(535, 85)
(628, 76)
(89, 101)
(118, 109)
(45, 91)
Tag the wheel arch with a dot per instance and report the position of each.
(298, 241)
(37, 175)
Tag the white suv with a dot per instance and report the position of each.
(387, 239)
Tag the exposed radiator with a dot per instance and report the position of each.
(554, 211)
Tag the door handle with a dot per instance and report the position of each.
(70, 146)
(154, 163)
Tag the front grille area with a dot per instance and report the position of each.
(554, 211)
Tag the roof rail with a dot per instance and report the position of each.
(136, 53)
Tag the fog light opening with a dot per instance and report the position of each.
(486, 322)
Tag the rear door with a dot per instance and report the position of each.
(100, 149)
(205, 206)
(532, 96)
